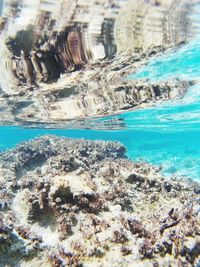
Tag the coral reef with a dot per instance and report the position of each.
(83, 203)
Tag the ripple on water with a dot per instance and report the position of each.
(167, 134)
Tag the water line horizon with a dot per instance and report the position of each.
(166, 134)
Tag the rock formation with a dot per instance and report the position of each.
(81, 203)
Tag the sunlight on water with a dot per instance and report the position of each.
(167, 134)
(183, 64)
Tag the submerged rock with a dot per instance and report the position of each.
(83, 203)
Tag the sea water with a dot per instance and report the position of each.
(167, 134)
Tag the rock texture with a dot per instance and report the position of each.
(82, 203)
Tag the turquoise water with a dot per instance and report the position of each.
(167, 134)
(178, 152)
(183, 63)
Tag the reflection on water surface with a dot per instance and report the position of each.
(69, 60)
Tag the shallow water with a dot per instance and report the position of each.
(178, 151)
(182, 64)
(166, 134)
(163, 135)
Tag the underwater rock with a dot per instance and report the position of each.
(83, 203)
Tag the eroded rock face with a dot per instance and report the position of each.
(82, 203)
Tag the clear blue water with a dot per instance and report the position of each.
(167, 134)
(178, 152)
(183, 64)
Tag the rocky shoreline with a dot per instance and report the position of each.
(68, 202)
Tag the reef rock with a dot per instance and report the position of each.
(83, 203)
